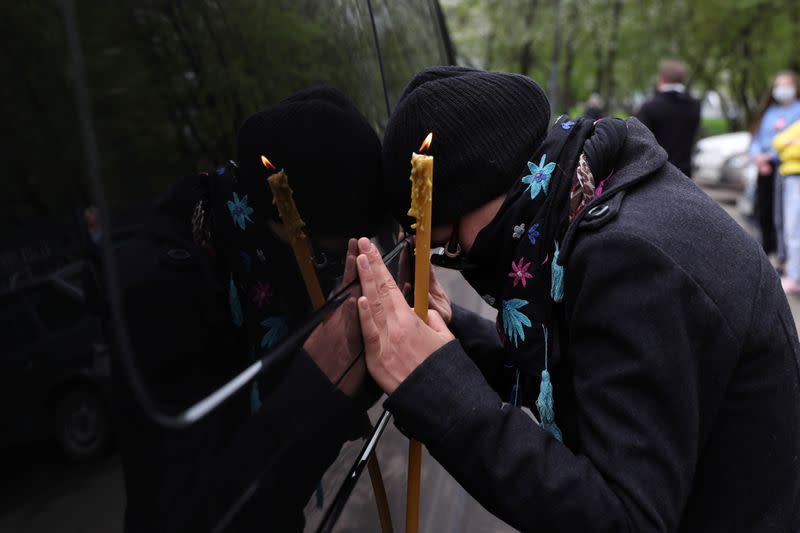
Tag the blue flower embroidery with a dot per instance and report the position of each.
(276, 330)
(533, 233)
(539, 178)
(514, 320)
(236, 307)
(239, 210)
(567, 124)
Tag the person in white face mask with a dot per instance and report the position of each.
(780, 109)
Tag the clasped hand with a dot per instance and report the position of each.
(396, 341)
(335, 345)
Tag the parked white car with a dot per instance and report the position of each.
(718, 160)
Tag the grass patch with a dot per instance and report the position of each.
(713, 126)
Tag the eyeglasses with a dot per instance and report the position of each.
(450, 255)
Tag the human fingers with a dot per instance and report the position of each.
(369, 329)
(437, 324)
(390, 295)
(407, 288)
(438, 298)
(376, 261)
(352, 330)
(349, 269)
(369, 288)
(349, 273)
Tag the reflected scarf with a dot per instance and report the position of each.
(517, 253)
(266, 294)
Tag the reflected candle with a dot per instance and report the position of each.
(282, 198)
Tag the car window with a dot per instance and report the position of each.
(17, 329)
(411, 39)
(114, 106)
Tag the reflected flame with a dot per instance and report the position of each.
(267, 163)
(427, 142)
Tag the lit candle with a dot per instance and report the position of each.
(282, 198)
(421, 202)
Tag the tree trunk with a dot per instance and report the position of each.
(794, 17)
(567, 97)
(611, 57)
(490, 48)
(526, 56)
(552, 86)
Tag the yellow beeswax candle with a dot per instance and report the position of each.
(421, 202)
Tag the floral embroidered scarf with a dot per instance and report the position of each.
(517, 254)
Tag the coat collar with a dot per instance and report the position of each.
(640, 157)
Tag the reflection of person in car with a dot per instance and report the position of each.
(207, 283)
(643, 326)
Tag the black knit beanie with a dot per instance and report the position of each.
(330, 153)
(486, 125)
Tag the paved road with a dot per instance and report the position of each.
(40, 493)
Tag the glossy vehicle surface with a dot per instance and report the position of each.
(109, 105)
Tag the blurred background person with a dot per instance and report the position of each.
(779, 109)
(595, 107)
(673, 115)
(787, 145)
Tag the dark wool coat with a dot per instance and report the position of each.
(674, 118)
(677, 389)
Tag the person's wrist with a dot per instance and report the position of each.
(352, 379)
(391, 378)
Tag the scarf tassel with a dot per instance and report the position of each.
(544, 404)
(557, 278)
(515, 391)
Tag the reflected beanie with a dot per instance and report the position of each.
(330, 153)
(486, 125)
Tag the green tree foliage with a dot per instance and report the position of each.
(613, 47)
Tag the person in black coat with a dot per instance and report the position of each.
(641, 325)
(673, 115)
(207, 283)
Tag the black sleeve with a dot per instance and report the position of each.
(296, 435)
(636, 389)
(477, 335)
(479, 339)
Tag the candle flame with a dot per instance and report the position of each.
(427, 142)
(267, 163)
